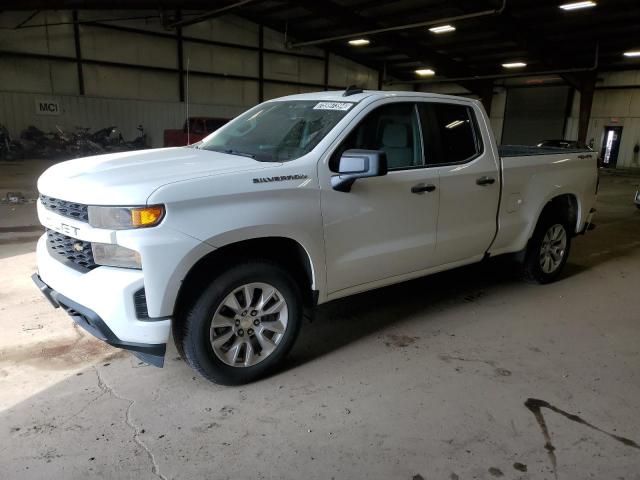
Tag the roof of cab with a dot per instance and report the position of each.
(337, 96)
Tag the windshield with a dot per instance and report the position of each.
(277, 131)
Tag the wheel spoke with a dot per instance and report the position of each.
(265, 297)
(275, 326)
(248, 354)
(217, 342)
(266, 343)
(248, 296)
(220, 320)
(231, 302)
(276, 307)
(233, 352)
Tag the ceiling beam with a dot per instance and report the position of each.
(211, 14)
(537, 48)
(397, 41)
(292, 31)
(375, 28)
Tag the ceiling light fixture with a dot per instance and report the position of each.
(632, 53)
(514, 65)
(577, 5)
(442, 29)
(359, 42)
(425, 72)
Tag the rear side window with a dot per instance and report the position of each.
(453, 132)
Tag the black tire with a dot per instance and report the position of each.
(195, 338)
(532, 268)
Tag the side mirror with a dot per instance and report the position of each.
(356, 164)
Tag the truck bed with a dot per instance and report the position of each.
(531, 176)
(527, 150)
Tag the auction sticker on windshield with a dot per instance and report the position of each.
(333, 106)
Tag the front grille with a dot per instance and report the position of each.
(71, 251)
(77, 211)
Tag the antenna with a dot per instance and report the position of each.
(352, 90)
(186, 101)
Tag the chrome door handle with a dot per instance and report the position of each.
(485, 181)
(422, 188)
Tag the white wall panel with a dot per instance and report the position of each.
(52, 40)
(297, 69)
(224, 29)
(225, 60)
(275, 90)
(221, 91)
(19, 112)
(128, 83)
(132, 48)
(345, 72)
(27, 75)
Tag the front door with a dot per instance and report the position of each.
(611, 146)
(381, 229)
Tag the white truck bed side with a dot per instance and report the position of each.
(529, 182)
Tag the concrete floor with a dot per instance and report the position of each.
(428, 379)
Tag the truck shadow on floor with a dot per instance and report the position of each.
(344, 321)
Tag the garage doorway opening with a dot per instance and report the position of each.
(611, 146)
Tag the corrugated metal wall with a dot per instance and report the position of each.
(18, 112)
(125, 96)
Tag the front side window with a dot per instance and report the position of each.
(453, 132)
(392, 128)
(278, 131)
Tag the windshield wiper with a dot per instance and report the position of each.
(231, 151)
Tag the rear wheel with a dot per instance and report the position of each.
(548, 250)
(243, 324)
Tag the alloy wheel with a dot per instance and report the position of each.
(249, 324)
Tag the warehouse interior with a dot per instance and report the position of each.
(469, 373)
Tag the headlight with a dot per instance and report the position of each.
(121, 218)
(115, 256)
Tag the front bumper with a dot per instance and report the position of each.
(92, 323)
(103, 298)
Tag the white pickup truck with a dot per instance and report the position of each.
(299, 201)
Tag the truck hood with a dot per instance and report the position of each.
(128, 178)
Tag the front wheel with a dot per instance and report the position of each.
(243, 324)
(547, 251)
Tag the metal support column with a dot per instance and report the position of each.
(588, 86)
(76, 38)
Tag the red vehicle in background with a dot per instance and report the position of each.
(199, 127)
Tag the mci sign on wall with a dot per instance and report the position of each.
(48, 106)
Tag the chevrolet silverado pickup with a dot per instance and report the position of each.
(223, 246)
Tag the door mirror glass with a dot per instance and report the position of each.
(356, 164)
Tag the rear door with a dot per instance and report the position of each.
(460, 147)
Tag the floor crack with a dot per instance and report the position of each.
(106, 388)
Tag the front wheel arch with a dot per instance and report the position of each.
(287, 253)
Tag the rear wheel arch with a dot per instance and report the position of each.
(565, 206)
